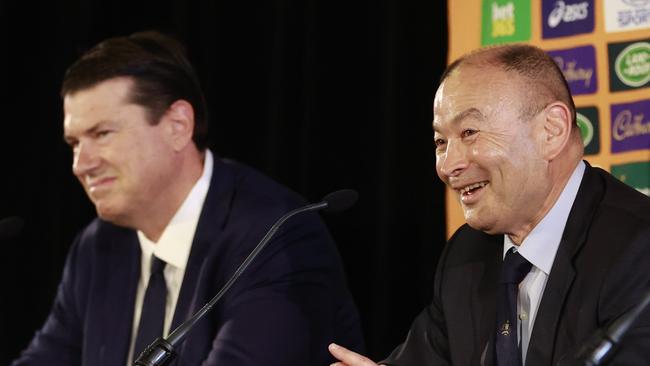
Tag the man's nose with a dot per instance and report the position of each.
(454, 160)
(85, 159)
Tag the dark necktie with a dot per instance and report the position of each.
(152, 317)
(515, 267)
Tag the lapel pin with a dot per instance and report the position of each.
(505, 328)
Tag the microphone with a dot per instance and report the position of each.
(161, 351)
(10, 227)
(340, 200)
(604, 344)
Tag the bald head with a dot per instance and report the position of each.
(542, 79)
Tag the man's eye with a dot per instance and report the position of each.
(439, 142)
(467, 133)
(72, 143)
(102, 133)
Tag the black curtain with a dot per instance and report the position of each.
(320, 95)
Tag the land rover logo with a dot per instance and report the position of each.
(586, 128)
(633, 64)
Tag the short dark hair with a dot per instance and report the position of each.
(159, 68)
(529, 62)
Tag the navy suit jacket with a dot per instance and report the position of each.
(284, 310)
(601, 270)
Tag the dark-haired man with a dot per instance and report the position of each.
(175, 221)
(553, 249)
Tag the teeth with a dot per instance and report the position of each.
(472, 186)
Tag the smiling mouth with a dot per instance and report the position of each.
(472, 188)
(100, 184)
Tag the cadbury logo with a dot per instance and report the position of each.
(567, 13)
(627, 125)
(573, 73)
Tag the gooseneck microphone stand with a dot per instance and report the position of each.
(161, 352)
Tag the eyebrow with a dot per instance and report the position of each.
(467, 113)
(91, 130)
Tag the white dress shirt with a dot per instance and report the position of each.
(173, 247)
(540, 248)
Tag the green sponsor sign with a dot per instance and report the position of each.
(505, 21)
(636, 175)
(587, 120)
(629, 64)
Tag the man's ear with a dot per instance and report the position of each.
(557, 129)
(180, 119)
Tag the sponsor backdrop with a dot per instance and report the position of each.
(603, 49)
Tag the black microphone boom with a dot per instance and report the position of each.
(161, 351)
(602, 346)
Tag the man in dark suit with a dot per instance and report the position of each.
(175, 222)
(507, 143)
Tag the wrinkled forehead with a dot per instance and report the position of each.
(486, 89)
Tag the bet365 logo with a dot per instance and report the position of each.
(505, 21)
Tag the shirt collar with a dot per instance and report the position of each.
(540, 246)
(176, 240)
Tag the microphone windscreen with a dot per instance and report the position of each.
(340, 200)
(10, 227)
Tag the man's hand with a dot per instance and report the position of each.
(348, 358)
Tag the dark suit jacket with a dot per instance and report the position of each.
(601, 269)
(284, 310)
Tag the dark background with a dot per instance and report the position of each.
(320, 95)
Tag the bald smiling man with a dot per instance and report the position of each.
(553, 248)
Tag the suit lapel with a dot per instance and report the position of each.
(542, 341)
(208, 233)
(487, 298)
